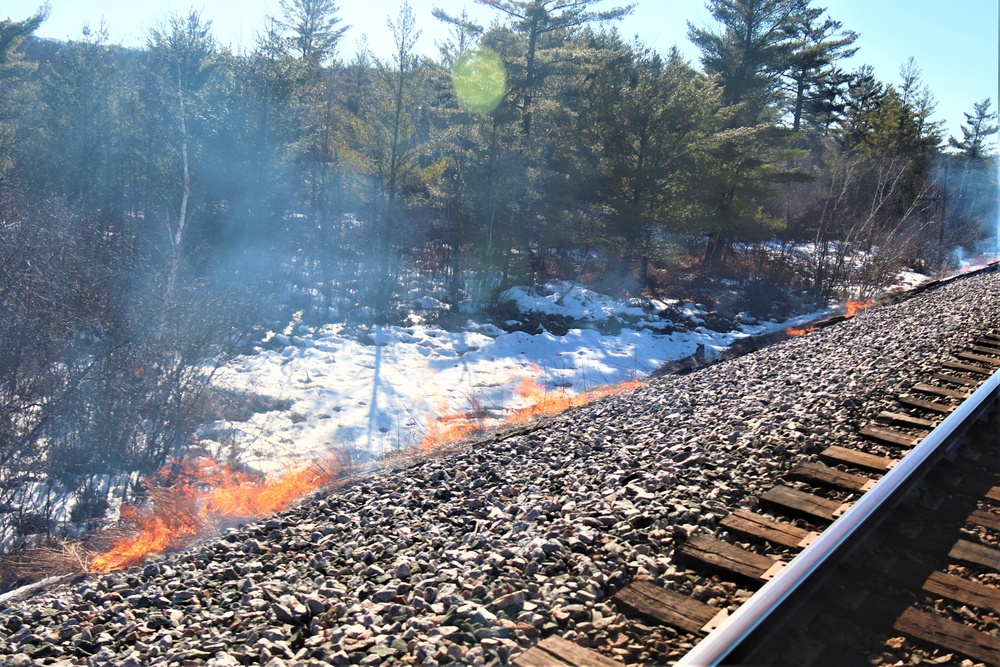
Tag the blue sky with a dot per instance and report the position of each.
(954, 42)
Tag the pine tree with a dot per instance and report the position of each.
(464, 33)
(917, 97)
(13, 69)
(643, 120)
(738, 170)
(977, 131)
(814, 80)
(537, 18)
(81, 114)
(749, 51)
(971, 182)
(314, 27)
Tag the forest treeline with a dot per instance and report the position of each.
(156, 201)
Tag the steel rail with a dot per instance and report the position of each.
(751, 615)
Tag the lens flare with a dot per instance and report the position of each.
(479, 80)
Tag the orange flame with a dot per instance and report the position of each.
(190, 498)
(855, 307)
(453, 426)
(548, 402)
(792, 331)
(449, 427)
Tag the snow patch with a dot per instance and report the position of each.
(376, 398)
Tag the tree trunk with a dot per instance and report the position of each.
(529, 77)
(177, 236)
(800, 95)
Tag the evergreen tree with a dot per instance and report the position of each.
(648, 118)
(814, 80)
(314, 27)
(917, 97)
(537, 18)
(977, 131)
(13, 70)
(749, 52)
(739, 169)
(970, 181)
(81, 114)
(864, 95)
(827, 100)
(464, 34)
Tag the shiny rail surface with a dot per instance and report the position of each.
(756, 611)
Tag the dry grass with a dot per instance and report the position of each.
(30, 564)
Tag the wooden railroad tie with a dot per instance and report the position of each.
(557, 652)
(855, 459)
(940, 391)
(968, 368)
(765, 528)
(968, 356)
(669, 607)
(984, 349)
(926, 405)
(988, 520)
(963, 591)
(993, 495)
(956, 379)
(800, 503)
(903, 418)
(891, 436)
(975, 554)
(824, 475)
(902, 571)
(949, 635)
(725, 557)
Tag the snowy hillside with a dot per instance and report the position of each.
(404, 384)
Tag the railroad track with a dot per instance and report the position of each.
(788, 547)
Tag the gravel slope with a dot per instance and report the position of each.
(467, 559)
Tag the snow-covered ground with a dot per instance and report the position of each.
(388, 392)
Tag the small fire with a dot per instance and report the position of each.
(855, 307)
(453, 426)
(793, 331)
(449, 427)
(190, 498)
(543, 401)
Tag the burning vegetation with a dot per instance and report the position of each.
(191, 499)
(852, 309)
(855, 307)
(452, 426)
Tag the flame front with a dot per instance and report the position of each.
(793, 331)
(452, 426)
(449, 427)
(189, 499)
(855, 307)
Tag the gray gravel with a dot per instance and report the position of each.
(469, 559)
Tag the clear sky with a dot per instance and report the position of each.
(954, 42)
